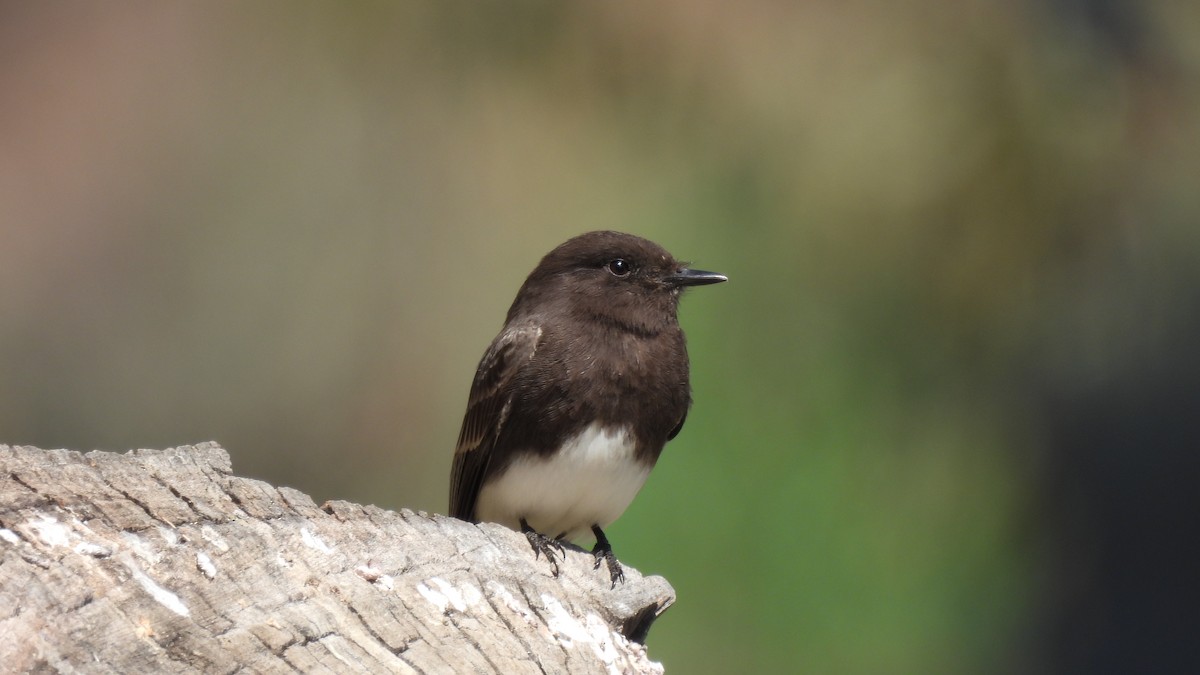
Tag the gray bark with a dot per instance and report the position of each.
(164, 561)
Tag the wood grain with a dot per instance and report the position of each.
(164, 561)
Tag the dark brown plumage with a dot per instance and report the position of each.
(575, 398)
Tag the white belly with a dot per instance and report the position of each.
(590, 481)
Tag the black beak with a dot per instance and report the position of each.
(690, 277)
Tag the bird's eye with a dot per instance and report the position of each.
(620, 267)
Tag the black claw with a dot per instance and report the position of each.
(603, 551)
(543, 545)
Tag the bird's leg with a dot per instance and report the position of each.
(543, 544)
(603, 551)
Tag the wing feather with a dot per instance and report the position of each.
(487, 409)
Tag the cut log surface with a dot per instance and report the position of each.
(161, 561)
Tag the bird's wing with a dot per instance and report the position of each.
(678, 427)
(487, 409)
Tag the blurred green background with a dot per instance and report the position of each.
(945, 407)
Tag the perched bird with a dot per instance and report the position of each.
(575, 398)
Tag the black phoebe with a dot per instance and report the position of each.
(575, 398)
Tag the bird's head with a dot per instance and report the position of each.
(611, 276)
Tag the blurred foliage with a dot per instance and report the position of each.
(952, 361)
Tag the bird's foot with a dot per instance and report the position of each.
(603, 551)
(544, 545)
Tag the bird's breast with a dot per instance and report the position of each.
(589, 480)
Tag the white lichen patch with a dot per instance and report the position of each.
(141, 548)
(168, 534)
(565, 627)
(51, 532)
(313, 541)
(93, 550)
(592, 632)
(439, 600)
(448, 596)
(210, 535)
(160, 595)
(205, 565)
(510, 601)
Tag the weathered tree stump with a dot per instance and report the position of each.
(164, 561)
